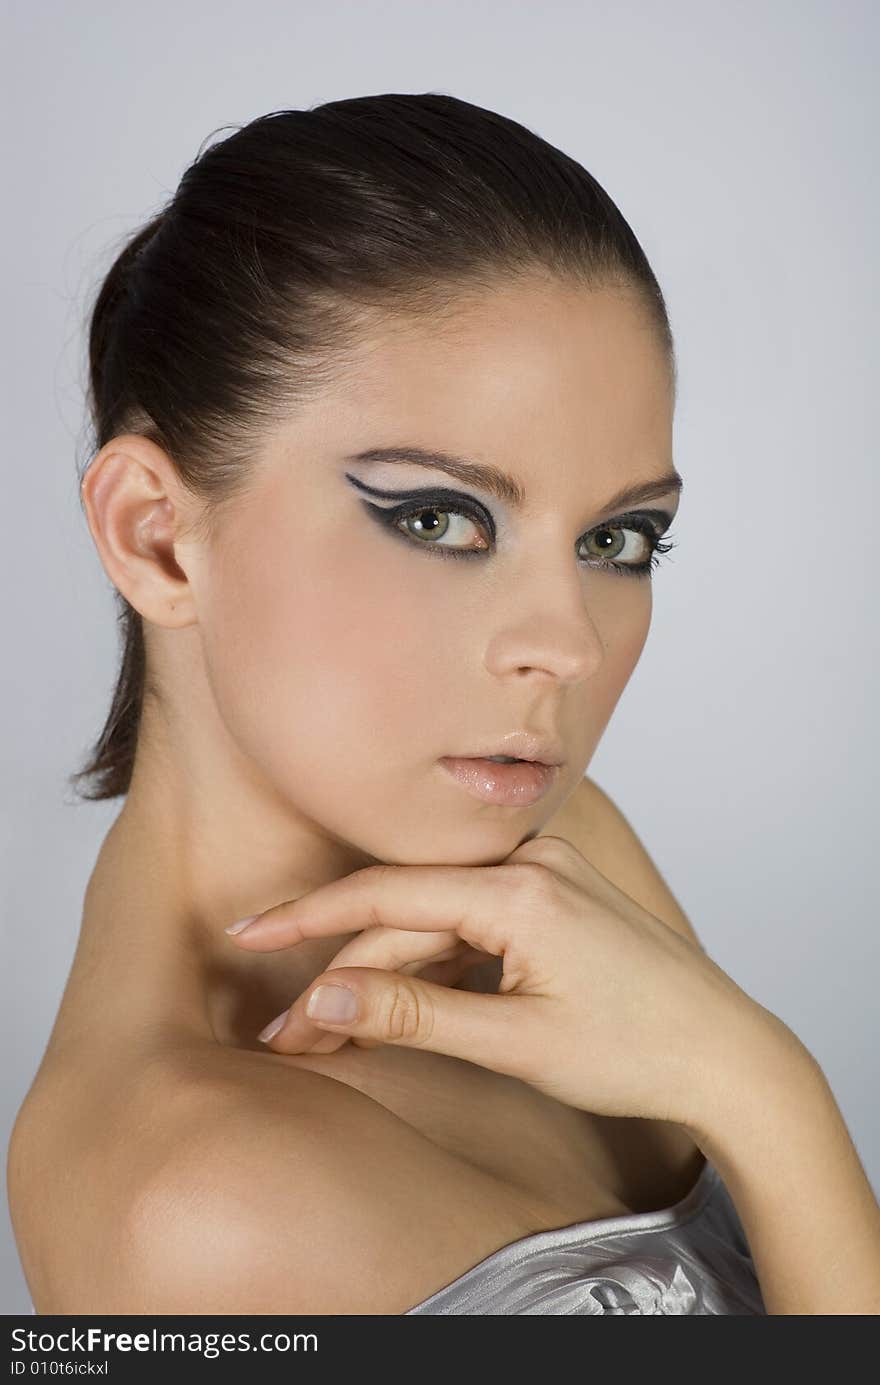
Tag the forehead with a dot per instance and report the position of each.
(567, 389)
(530, 372)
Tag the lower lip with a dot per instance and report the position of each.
(518, 785)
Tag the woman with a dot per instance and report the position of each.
(360, 340)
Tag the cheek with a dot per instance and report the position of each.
(623, 621)
(339, 666)
(318, 659)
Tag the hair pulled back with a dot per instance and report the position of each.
(233, 304)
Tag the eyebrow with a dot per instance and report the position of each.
(498, 483)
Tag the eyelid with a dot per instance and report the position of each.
(652, 523)
(421, 493)
(445, 497)
(664, 519)
(433, 496)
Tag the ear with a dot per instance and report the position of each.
(137, 508)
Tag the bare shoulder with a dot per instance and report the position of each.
(233, 1182)
(592, 821)
(261, 1207)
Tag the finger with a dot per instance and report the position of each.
(476, 902)
(496, 1031)
(395, 948)
(375, 947)
(445, 973)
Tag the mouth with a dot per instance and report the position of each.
(502, 779)
(521, 747)
(513, 760)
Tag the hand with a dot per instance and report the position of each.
(600, 1004)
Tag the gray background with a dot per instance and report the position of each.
(736, 138)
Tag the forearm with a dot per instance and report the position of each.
(777, 1138)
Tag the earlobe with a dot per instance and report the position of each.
(128, 494)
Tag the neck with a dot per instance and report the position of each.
(152, 946)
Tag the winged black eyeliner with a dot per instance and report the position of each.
(452, 497)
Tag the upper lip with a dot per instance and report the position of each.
(522, 745)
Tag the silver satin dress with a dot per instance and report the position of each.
(690, 1258)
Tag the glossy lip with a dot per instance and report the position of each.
(515, 786)
(522, 745)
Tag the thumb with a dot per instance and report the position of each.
(391, 1008)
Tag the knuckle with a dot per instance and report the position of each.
(369, 882)
(408, 1017)
(369, 875)
(533, 884)
(552, 851)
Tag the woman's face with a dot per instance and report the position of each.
(348, 655)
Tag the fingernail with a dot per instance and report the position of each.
(334, 1003)
(242, 924)
(272, 1028)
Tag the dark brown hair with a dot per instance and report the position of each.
(232, 305)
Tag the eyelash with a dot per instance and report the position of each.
(640, 523)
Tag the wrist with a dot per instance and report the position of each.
(759, 1069)
(776, 1136)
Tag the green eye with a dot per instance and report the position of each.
(615, 548)
(434, 518)
(429, 524)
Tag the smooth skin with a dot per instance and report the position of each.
(678, 1040)
(314, 667)
(311, 668)
(561, 1020)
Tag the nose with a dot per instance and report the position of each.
(551, 630)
